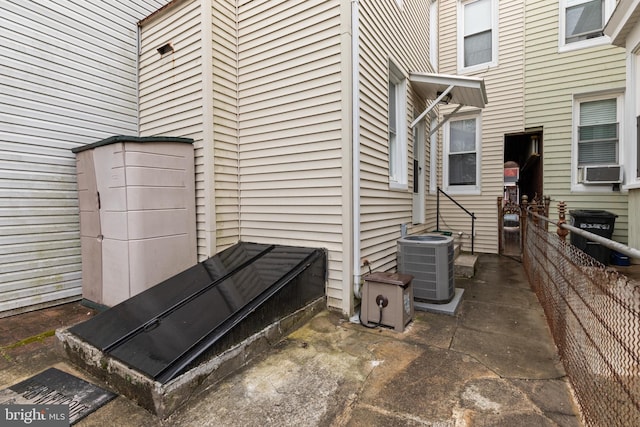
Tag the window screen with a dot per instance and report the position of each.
(598, 132)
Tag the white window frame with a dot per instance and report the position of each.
(434, 33)
(494, 38)
(462, 189)
(576, 172)
(563, 46)
(398, 162)
(433, 160)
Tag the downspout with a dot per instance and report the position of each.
(138, 51)
(355, 111)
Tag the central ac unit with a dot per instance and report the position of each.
(602, 174)
(429, 259)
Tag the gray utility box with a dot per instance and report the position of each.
(395, 291)
(429, 259)
(137, 214)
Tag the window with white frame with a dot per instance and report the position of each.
(597, 121)
(433, 34)
(433, 164)
(582, 22)
(477, 34)
(461, 168)
(598, 130)
(397, 129)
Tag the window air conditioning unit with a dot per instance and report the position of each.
(602, 175)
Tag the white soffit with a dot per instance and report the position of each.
(625, 16)
(466, 91)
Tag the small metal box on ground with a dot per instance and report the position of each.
(394, 292)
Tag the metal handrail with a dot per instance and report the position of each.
(608, 243)
(471, 214)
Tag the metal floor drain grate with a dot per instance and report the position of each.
(55, 387)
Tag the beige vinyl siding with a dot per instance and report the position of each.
(503, 115)
(291, 129)
(68, 79)
(552, 79)
(400, 34)
(225, 123)
(192, 93)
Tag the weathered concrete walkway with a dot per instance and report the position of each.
(494, 364)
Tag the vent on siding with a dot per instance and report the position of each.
(165, 49)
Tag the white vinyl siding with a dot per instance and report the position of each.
(68, 79)
(503, 115)
(553, 81)
(292, 129)
(173, 102)
(384, 32)
(225, 125)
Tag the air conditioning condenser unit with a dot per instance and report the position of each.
(429, 259)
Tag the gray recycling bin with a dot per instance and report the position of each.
(597, 222)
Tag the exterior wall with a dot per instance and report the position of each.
(174, 101)
(225, 124)
(400, 34)
(293, 131)
(552, 79)
(69, 79)
(633, 104)
(624, 29)
(503, 115)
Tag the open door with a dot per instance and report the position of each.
(522, 176)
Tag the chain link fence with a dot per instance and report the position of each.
(594, 315)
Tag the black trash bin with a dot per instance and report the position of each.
(597, 222)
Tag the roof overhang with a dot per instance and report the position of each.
(464, 91)
(624, 17)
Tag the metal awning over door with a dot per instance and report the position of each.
(463, 91)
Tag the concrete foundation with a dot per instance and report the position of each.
(163, 399)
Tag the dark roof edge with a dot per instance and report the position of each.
(125, 138)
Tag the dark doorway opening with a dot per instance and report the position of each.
(525, 149)
(522, 176)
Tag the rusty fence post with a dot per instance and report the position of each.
(547, 202)
(500, 223)
(523, 222)
(562, 209)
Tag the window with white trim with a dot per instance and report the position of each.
(397, 129)
(598, 130)
(582, 23)
(433, 34)
(477, 34)
(433, 168)
(461, 168)
(597, 121)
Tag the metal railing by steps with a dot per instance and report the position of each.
(471, 214)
